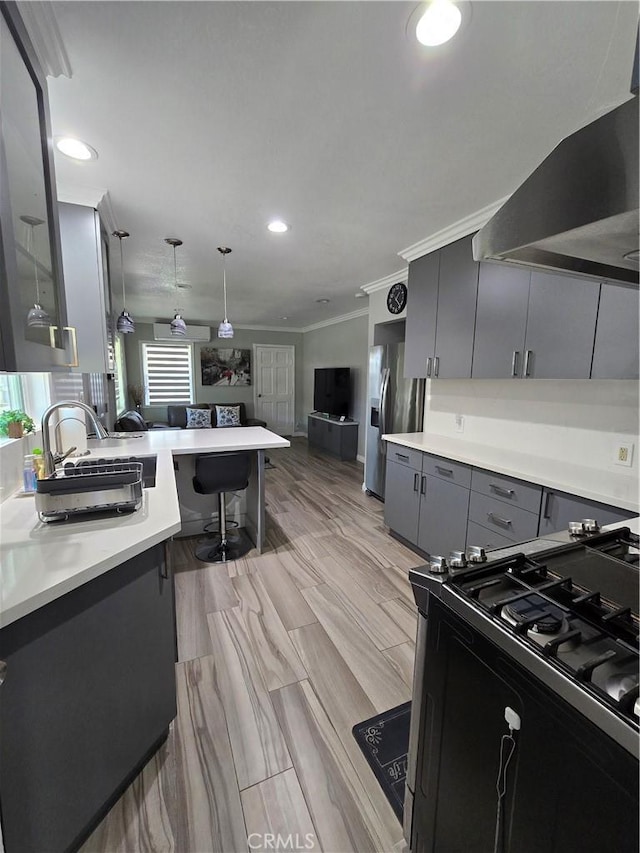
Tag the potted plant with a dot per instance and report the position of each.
(15, 423)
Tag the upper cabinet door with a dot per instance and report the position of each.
(615, 355)
(85, 259)
(422, 306)
(30, 267)
(457, 296)
(561, 327)
(501, 321)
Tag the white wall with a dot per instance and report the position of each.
(578, 421)
(339, 345)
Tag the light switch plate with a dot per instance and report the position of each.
(623, 454)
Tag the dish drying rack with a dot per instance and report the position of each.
(90, 488)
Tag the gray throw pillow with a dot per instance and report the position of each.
(198, 418)
(227, 416)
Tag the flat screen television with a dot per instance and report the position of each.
(332, 390)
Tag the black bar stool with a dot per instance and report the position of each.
(217, 473)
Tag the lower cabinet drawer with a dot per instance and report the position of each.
(514, 492)
(487, 539)
(511, 522)
(446, 469)
(404, 456)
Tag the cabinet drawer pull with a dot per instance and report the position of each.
(527, 360)
(402, 456)
(448, 472)
(497, 519)
(74, 343)
(504, 493)
(436, 365)
(514, 362)
(165, 567)
(416, 478)
(547, 504)
(423, 485)
(429, 360)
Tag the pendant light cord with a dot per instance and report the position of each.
(124, 301)
(224, 285)
(31, 249)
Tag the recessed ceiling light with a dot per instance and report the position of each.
(277, 226)
(323, 301)
(439, 22)
(284, 318)
(75, 148)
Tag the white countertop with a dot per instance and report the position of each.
(616, 488)
(40, 561)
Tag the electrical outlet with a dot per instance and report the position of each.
(459, 423)
(624, 454)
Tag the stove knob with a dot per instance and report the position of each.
(576, 528)
(476, 554)
(590, 525)
(457, 560)
(438, 565)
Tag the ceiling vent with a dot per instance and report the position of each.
(162, 332)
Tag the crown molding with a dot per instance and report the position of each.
(105, 209)
(452, 232)
(363, 312)
(41, 24)
(78, 194)
(387, 281)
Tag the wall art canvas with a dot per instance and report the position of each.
(225, 366)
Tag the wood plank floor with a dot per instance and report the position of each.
(279, 655)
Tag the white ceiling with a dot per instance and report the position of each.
(210, 118)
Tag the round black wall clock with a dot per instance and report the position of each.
(397, 298)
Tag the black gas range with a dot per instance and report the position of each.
(556, 631)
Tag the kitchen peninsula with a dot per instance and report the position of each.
(88, 633)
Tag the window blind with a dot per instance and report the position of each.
(168, 373)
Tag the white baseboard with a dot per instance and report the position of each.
(360, 458)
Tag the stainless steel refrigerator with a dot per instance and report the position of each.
(395, 404)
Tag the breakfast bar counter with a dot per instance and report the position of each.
(39, 562)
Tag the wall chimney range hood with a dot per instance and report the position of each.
(578, 211)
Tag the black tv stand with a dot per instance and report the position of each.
(331, 435)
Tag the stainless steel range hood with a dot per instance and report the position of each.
(578, 211)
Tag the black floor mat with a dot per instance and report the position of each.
(384, 740)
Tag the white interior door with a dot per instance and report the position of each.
(274, 395)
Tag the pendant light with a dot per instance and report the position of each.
(225, 329)
(37, 317)
(125, 322)
(178, 326)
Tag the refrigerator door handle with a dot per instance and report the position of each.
(383, 414)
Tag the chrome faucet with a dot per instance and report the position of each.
(49, 459)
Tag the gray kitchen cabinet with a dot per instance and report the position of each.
(559, 508)
(444, 508)
(85, 259)
(30, 265)
(501, 321)
(422, 306)
(561, 326)
(340, 438)
(88, 696)
(457, 296)
(402, 499)
(441, 308)
(615, 354)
